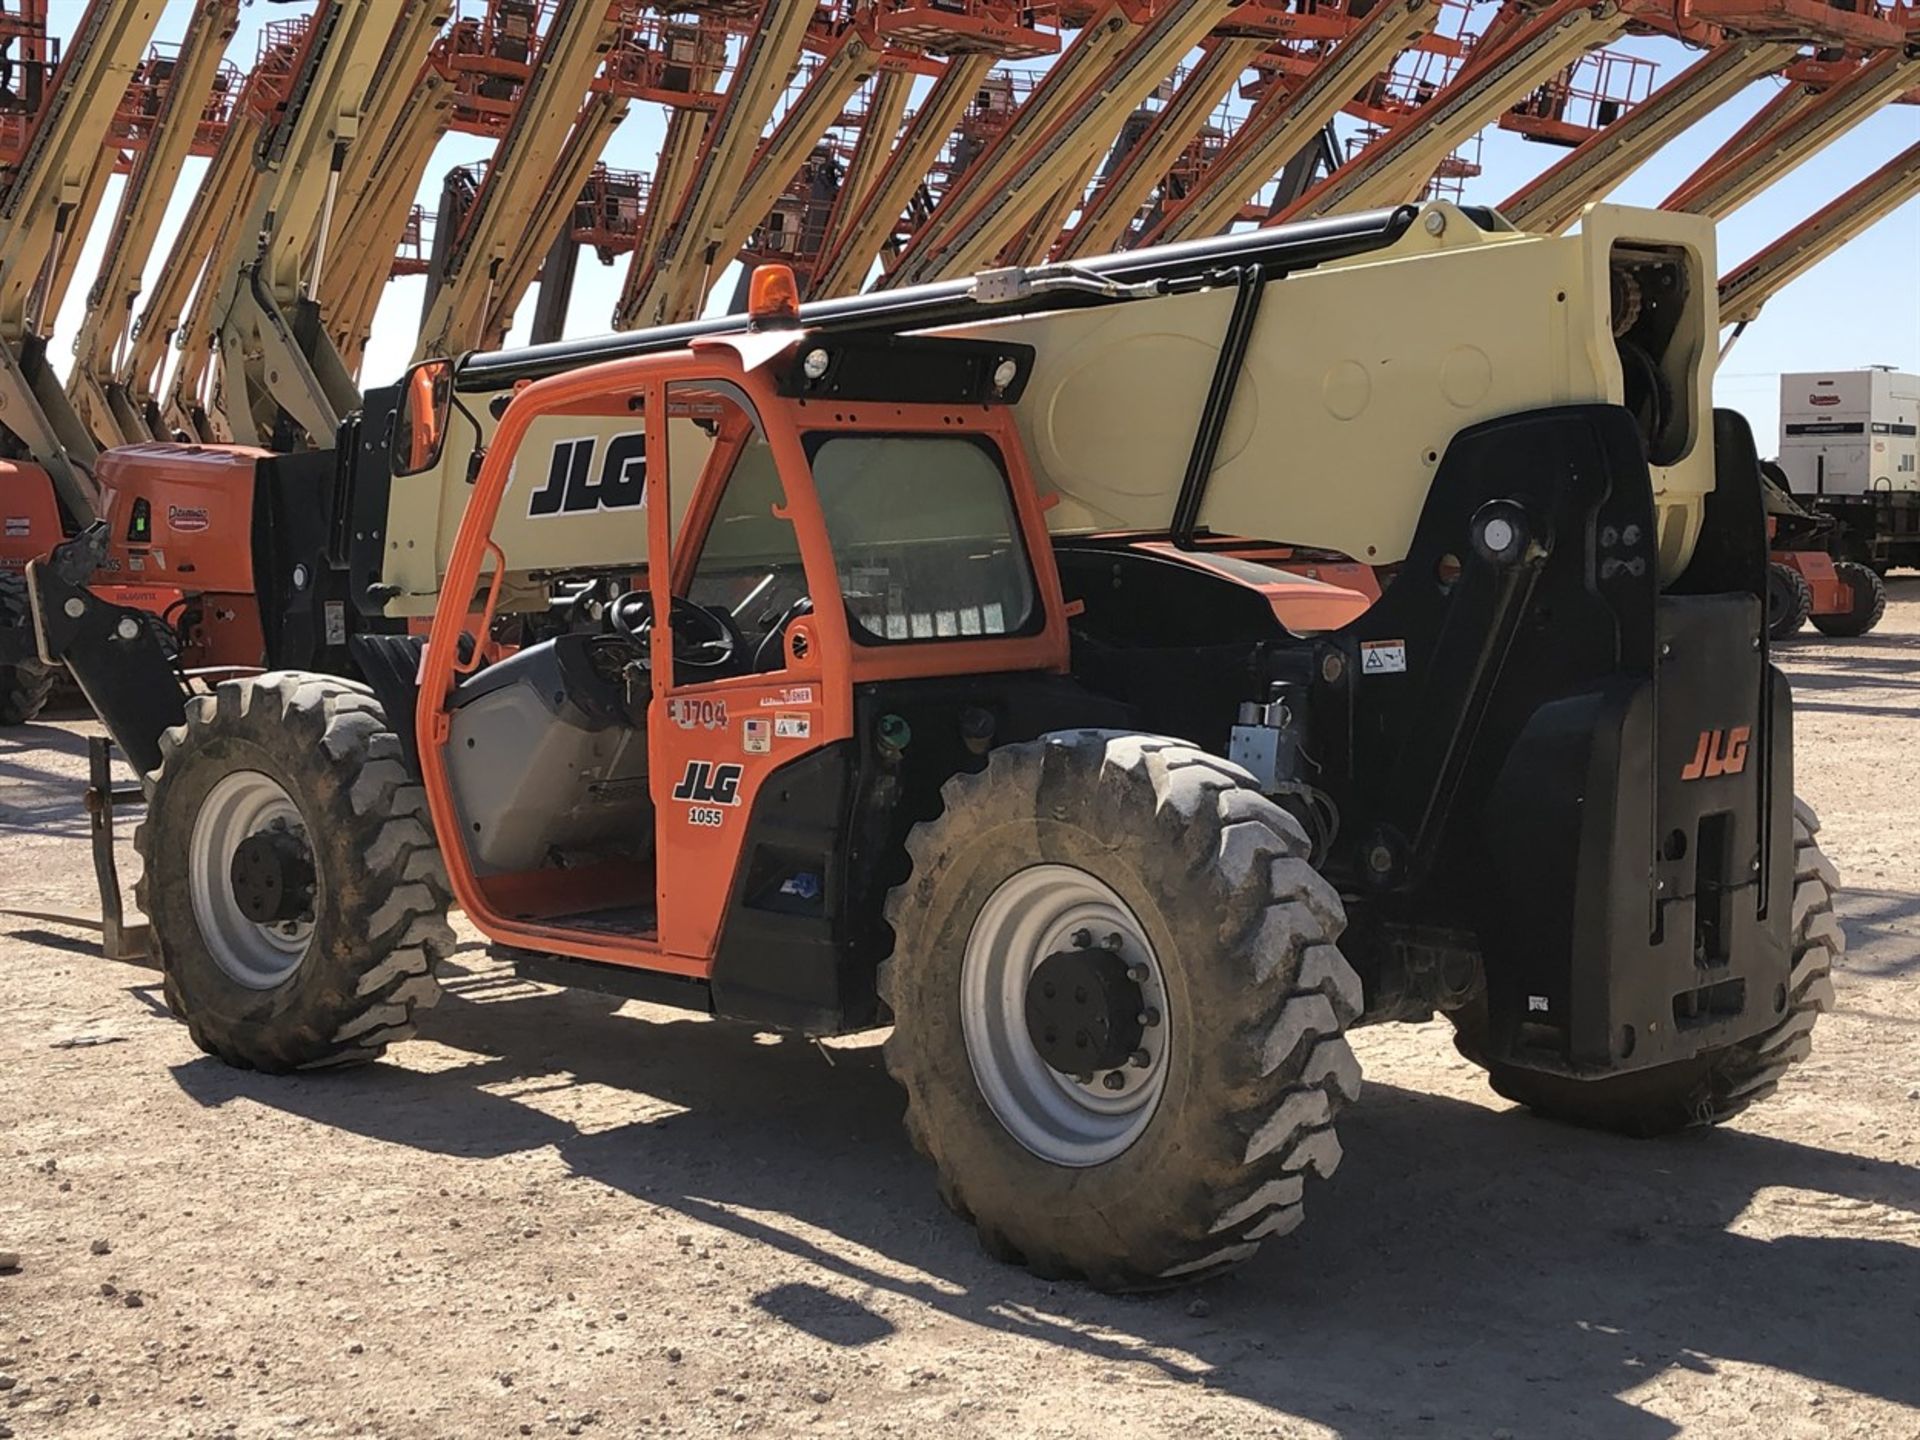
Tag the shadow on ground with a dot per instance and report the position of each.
(1469, 1269)
(41, 789)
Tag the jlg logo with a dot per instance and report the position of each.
(706, 783)
(620, 485)
(1720, 752)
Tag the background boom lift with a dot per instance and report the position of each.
(489, 255)
(281, 375)
(93, 384)
(1748, 286)
(47, 208)
(143, 395)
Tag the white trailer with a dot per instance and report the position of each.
(1850, 446)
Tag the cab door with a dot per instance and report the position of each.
(738, 664)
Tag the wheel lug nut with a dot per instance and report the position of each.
(1082, 939)
(1137, 973)
(1114, 1080)
(1140, 1059)
(1149, 1017)
(1113, 940)
(1085, 1078)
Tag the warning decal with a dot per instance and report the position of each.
(1383, 657)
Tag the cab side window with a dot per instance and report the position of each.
(748, 562)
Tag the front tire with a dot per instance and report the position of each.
(297, 899)
(1170, 860)
(24, 683)
(1717, 1086)
(1869, 602)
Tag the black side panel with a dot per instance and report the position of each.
(1591, 776)
(292, 522)
(1589, 966)
(1731, 552)
(306, 609)
(390, 664)
(366, 481)
(1436, 682)
(786, 955)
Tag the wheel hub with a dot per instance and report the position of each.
(252, 878)
(272, 876)
(1065, 1012)
(1084, 1010)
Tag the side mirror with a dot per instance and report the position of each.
(420, 429)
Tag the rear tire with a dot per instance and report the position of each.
(1716, 1086)
(26, 683)
(1869, 602)
(312, 760)
(1789, 600)
(1210, 882)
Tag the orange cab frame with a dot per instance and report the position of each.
(696, 865)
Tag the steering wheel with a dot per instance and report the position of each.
(703, 639)
(766, 655)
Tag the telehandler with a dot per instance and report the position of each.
(975, 659)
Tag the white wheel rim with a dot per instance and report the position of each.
(240, 804)
(1057, 1116)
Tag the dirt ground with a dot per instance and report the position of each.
(557, 1215)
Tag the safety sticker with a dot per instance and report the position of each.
(187, 519)
(789, 726)
(334, 621)
(1383, 657)
(698, 714)
(19, 526)
(756, 735)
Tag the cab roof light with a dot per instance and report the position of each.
(773, 297)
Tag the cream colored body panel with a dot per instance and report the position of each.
(423, 511)
(1358, 375)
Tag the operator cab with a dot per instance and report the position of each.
(549, 748)
(617, 761)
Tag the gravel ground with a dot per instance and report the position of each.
(555, 1215)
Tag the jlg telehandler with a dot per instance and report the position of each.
(965, 659)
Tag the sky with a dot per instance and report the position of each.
(1858, 307)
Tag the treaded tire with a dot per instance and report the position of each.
(1719, 1085)
(1869, 602)
(1789, 600)
(24, 684)
(380, 894)
(1258, 996)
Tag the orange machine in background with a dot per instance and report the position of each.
(178, 520)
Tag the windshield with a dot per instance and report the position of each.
(924, 537)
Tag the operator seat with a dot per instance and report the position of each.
(548, 756)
